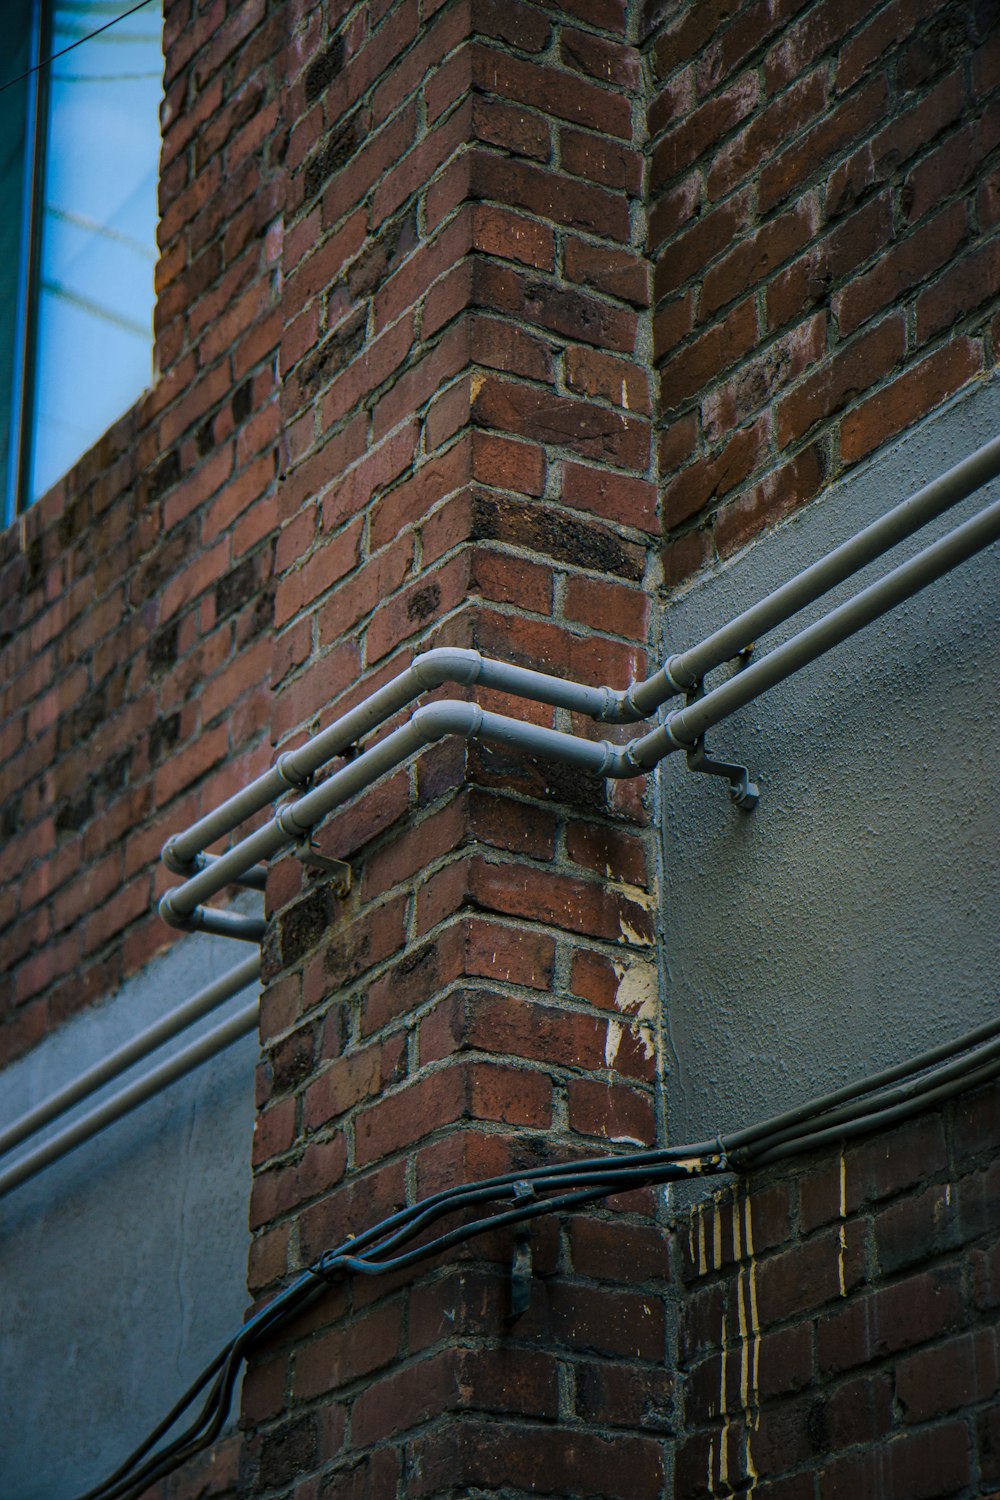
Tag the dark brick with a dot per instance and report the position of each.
(554, 534)
(235, 589)
(323, 69)
(891, 1318)
(916, 1466)
(164, 476)
(947, 1377)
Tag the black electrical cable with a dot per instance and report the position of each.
(889, 1097)
(881, 1119)
(873, 1103)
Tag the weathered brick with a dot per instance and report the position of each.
(917, 390)
(627, 1467)
(915, 1466)
(789, 114)
(587, 431)
(687, 372)
(888, 1319)
(855, 367)
(709, 479)
(908, 132)
(965, 287)
(800, 161)
(902, 267)
(947, 1377)
(701, 129)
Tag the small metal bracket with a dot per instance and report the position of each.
(521, 1262)
(743, 793)
(315, 859)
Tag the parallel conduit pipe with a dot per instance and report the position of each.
(683, 671)
(680, 731)
(683, 728)
(133, 1051)
(294, 769)
(153, 1082)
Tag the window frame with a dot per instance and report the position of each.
(21, 440)
(17, 477)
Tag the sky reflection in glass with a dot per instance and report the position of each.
(94, 335)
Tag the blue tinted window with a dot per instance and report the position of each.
(90, 250)
(94, 333)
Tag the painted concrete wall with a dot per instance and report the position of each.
(123, 1266)
(851, 919)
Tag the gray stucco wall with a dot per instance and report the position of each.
(851, 919)
(123, 1266)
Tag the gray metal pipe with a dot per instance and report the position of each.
(433, 669)
(632, 704)
(180, 907)
(689, 667)
(153, 1082)
(254, 879)
(199, 1005)
(227, 924)
(685, 726)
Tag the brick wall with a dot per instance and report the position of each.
(823, 215)
(413, 391)
(839, 1327)
(467, 402)
(462, 254)
(136, 596)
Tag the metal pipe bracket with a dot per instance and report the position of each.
(743, 793)
(313, 858)
(521, 1267)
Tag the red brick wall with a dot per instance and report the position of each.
(135, 641)
(824, 221)
(839, 1330)
(407, 398)
(467, 408)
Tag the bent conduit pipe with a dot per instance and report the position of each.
(153, 1082)
(689, 667)
(294, 769)
(685, 726)
(681, 731)
(133, 1051)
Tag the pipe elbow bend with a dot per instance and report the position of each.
(619, 708)
(165, 911)
(447, 664)
(435, 720)
(173, 861)
(620, 764)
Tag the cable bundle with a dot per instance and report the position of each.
(881, 1100)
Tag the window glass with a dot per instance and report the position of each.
(93, 322)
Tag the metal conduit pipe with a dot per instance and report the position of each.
(445, 664)
(685, 726)
(432, 722)
(254, 879)
(227, 924)
(207, 1046)
(689, 667)
(682, 729)
(199, 1005)
(632, 704)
